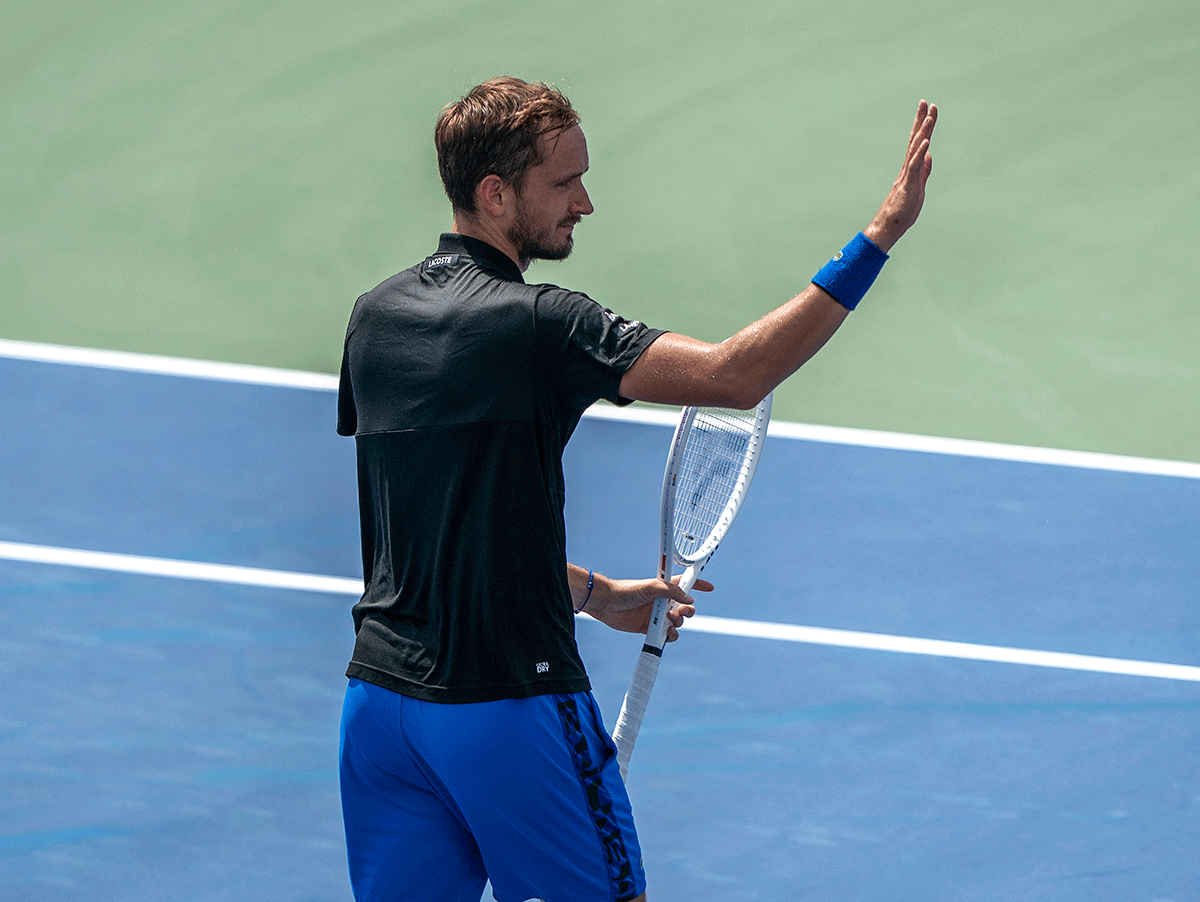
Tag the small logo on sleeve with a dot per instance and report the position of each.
(543, 667)
(622, 325)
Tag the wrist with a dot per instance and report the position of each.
(591, 585)
(881, 236)
(851, 273)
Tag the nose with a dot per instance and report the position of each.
(583, 204)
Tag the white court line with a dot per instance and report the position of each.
(867, 438)
(154, 566)
(166, 366)
(899, 441)
(340, 585)
(940, 648)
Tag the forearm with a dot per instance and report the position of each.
(755, 360)
(741, 370)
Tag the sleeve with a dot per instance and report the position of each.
(586, 346)
(347, 412)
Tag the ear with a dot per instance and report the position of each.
(493, 196)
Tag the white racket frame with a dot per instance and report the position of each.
(646, 671)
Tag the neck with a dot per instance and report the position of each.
(465, 224)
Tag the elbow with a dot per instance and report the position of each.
(740, 391)
(741, 386)
(747, 398)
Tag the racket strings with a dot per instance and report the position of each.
(713, 459)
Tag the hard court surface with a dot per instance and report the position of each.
(169, 726)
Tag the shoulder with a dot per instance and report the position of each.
(550, 298)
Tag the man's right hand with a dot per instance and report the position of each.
(903, 204)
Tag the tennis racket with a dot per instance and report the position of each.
(713, 457)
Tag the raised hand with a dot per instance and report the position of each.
(903, 204)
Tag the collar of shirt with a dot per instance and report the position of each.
(488, 258)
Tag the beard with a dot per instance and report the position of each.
(532, 243)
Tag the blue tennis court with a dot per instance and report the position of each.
(929, 671)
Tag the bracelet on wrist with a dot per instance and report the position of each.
(586, 598)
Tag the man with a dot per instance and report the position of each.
(471, 745)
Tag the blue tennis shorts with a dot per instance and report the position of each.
(438, 799)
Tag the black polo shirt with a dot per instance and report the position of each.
(462, 385)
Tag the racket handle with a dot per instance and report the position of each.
(692, 573)
(656, 632)
(634, 707)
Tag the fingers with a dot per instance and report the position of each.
(918, 164)
(926, 132)
(922, 129)
(675, 619)
(684, 605)
(922, 114)
(679, 596)
(700, 585)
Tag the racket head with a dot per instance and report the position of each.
(714, 455)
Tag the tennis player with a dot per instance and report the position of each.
(471, 746)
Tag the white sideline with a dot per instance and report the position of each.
(175, 569)
(166, 366)
(940, 648)
(867, 438)
(340, 585)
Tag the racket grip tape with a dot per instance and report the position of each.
(634, 707)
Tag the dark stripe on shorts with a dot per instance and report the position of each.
(620, 870)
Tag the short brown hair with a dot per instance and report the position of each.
(494, 130)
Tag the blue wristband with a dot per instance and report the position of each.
(850, 274)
